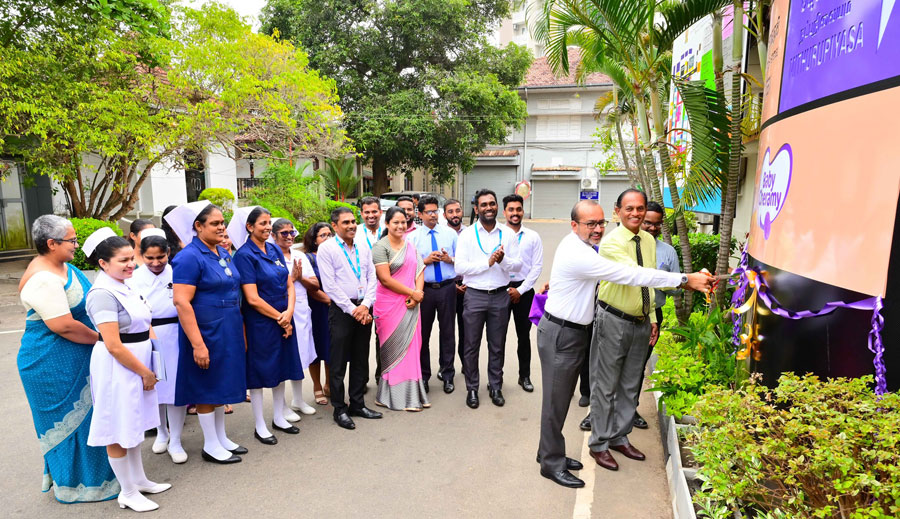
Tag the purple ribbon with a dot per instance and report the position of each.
(537, 308)
(873, 304)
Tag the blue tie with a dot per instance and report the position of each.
(437, 266)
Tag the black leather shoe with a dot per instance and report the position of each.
(584, 401)
(571, 464)
(497, 397)
(425, 383)
(585, 424)
(639, 421)
(448, 386)
(345, 421)
(526, 384)
(271, 440)
(211, 459)
(365, 412)
(240, 450)
(472, 398)
(440, 376)
(289, 429)
(564, 478)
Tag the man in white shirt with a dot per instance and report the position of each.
(521, 283)
(564, 333)
(486, 256)
(370, 210)
(453, 213)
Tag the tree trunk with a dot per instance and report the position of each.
(379, 176)
(734, 156)
(633, 175)
(134, 193)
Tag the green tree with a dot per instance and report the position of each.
(340, 177)
(419, 83)
(87, 110)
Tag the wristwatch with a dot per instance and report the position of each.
(684, 280)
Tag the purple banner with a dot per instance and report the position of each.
(836, 45)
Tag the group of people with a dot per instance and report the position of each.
(175, 319)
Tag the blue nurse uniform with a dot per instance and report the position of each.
(216, 306)
(271, 358)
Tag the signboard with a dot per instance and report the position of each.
(590, 195)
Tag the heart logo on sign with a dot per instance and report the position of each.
(773, 186)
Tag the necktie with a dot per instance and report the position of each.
(645, 292)
(437, 266)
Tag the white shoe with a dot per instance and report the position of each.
(291, 416)
(156, 488)
(160, 447)
(178, 457)
(137, 502)
(303, 407)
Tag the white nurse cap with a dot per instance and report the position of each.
(181, 219)
(153, 231)
(237, 228)
(90, 244)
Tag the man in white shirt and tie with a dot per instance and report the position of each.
(521, 283)
(486, 256)
(564, 332)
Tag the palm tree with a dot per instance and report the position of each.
(340, 177)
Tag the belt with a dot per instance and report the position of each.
(130, 338)
(567, 324)
(159, 321)
(491, 291)
(620, 314)
(442, 284)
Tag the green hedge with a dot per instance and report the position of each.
(84, 227)
(220, 196)
(704, 250)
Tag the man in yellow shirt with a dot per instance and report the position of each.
(624, 323)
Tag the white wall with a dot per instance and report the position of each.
(221, 170)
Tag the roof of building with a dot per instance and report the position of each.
(556, 168)
(497, 153)
(541, 75)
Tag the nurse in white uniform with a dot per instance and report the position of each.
(122, 383)
(153, 282)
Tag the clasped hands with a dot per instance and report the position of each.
(362, 315)
(284, 320)
(414, 299)
(437, 257)
(496, 256)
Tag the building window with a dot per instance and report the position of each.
(558, 127)
(407, 183)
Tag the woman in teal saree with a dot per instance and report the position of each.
(54, 364)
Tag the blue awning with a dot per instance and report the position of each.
(713, 206)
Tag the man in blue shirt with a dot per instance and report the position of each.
(436, 244)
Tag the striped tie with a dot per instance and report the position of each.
(645, 292)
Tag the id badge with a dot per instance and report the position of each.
(360, 293)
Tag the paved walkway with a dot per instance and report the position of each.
(448, 461)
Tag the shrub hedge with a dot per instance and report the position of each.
(84, 227)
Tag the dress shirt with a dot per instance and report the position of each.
(577, 268)
(410, 229)
(531, 252)
(472, 260)
(619, 247)
(338, 279)
(370, 237)
(446, 239)
(666, 259)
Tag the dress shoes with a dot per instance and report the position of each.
(564, 478)
(425, 383)
(472, 398)
(289, 429)
(639, 421)
(629, 451)
(605, 460)
(585, 424)
(448, 385)
(526, 384)
(155, 488)
(584, 401)
(497, 397)
(365, 412)
(240, 451)
(571, 464)
(270, 440)
(345, 421)
(210, 458)
(440, 376)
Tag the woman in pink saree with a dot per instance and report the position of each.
(400, 281)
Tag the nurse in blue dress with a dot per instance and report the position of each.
(268, 309)
(211, 358)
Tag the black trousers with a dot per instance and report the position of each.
(460, 327)
(519, 312)
(440, 301)
(349, 344)
(485, 313)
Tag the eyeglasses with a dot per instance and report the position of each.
(288, 234)
(591, 225)
(655, 225)
(73, 241)
(224, 265)
(431, 212)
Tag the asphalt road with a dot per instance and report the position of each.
(447, 461)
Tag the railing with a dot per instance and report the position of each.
(243, 184)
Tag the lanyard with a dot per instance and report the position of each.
(366, 232)
(520, 236)
(357, 270)
(499, 242)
